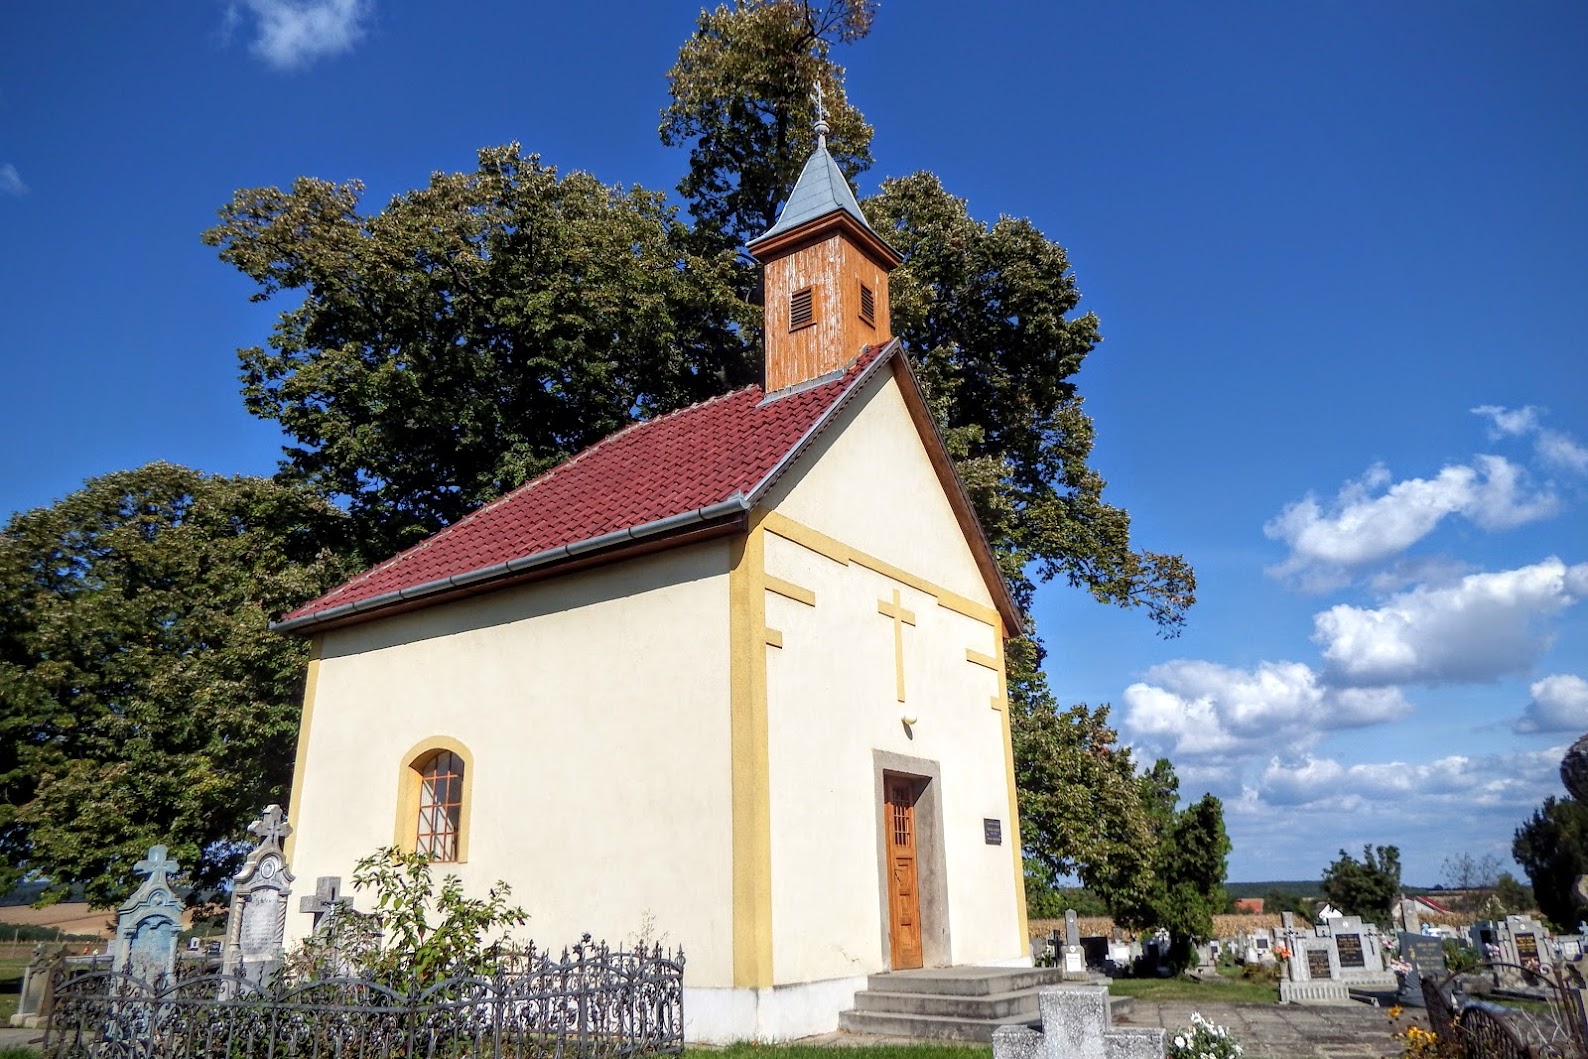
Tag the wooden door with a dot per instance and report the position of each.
(904, 901)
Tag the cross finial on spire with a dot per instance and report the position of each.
(821, 117)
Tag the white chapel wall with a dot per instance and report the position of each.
(832, 700)
(595, 706)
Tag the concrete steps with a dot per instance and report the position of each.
(952, 1003)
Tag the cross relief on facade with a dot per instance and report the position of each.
(901, 618)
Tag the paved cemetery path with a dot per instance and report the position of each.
(1288, 1031)
(1265, 1031)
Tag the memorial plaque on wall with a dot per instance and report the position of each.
(993, 831)
(1350, 949)
(1527, 946)
(1318, 964)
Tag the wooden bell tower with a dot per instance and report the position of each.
(826, 277)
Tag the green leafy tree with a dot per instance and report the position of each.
(1511, 895)
(142, 697)
(742, 101)
(1286, 901)
(473, 333)
(1081, 811)
(1365, 887)
(1552, 848)
(1189, 851)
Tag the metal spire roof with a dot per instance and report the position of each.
(820, 190)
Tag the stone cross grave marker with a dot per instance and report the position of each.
(325, 902)
(257, 922)
(1075, 1025)
(148, 923)
(1074, 959)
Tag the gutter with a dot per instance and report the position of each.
(734, 505)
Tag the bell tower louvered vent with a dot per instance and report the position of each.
(801, 309)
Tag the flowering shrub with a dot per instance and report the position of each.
(1203, 1040)
(1418, 1043)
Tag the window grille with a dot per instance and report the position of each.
(440, 806)
(868, 305)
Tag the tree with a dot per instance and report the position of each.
(471, 334)
(742, 100)
(1552, 848)
(1511, 895)
(1185, 883)
(1473, 878)
(142, 697)
(1080, 807)
(1365, 888)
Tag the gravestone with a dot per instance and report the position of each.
(1074, 959)
(33, 1004)
(325, 902)
(148, 923)
(1426, 955)
(257, 922)
(1312, 975)
(1522, 942)
(1075, 1025)
(1094, 948)
(1359, 954)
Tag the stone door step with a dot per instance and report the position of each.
(953, 1003)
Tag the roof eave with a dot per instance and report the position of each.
(732, 507)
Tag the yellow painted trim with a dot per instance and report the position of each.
(774, 638)
(901, 618)
(985, 661)
(405, 832)
(789, 590)
(311, 680)
(750, 764)
(839, 552)
(1001, 704)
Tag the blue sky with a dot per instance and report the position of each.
(1337, 252)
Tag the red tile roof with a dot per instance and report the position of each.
(708, 461)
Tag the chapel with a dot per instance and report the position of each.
(732, 677)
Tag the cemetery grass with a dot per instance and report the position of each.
(1174, 990)
(10, 985)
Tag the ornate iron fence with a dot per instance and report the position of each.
(592, 1003)
(1508, 1011)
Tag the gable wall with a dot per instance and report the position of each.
(866, 517)
(595, 707)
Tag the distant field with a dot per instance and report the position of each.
(70, 917)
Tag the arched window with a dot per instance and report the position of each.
(440, 806)
(433, 799)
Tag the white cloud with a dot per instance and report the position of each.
(1483, 627)
(1457, 783)
(1189, 709)
(295, 33)
(1508, 422)
(1560, 704)
(1561, 451)
(11, 181)
(1554, 448)
(1374, 518)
